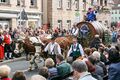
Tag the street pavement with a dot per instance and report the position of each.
(21, 65)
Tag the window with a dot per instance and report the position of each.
(76, 4)
(105, 2)
(100, 21)
(59, 4)
(119, 11)
(33, 3)
(92, 2)
(4, 1)
(69, 24)
(112, 12)
(69, 4)
(119, 18)
(101, 2)
(115, 12)
(20, 2)
(106, 22)
(60, 24)
(112, 18)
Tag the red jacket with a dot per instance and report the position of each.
(6, 79)
(7, 39)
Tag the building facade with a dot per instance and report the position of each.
(103, 7)
(64, 13)
(115, 13)
(10, 11)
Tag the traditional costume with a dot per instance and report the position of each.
(53, 49)
(8, 48)
(1, 46)
(75, 51)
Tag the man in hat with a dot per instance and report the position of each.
(53, 48)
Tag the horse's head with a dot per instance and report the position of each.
(18, 46)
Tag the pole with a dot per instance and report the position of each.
(20, 14)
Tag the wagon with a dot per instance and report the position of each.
(88, 30)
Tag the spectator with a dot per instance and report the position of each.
(95, 42)
(81, 71)
(49, 63)
(19, 76)
(93, 49)
(44, 72)
(63, 67)
(114, 70)
(97, 55)
(102, 56)
(98, 69)
(87, 52)
(1, 46)
(4, 72)
(38, 77)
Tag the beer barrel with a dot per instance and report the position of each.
(87, 31)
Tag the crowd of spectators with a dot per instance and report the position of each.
(98, 64)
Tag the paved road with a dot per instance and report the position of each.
(21, 65)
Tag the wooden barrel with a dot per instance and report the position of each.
(87, 31)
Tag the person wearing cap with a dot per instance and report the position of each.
(1, 46)
(76, 50)
(7, 48)
(74, 30)
(53, 48)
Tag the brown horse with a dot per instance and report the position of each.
(64, 43)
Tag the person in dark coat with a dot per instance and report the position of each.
(95, 42)
(114, 70)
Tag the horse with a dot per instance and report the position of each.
(64, 43)
(32, 48)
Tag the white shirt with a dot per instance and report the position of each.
(52, 45)
(75, 31)
(80, 47)
(86, 76)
